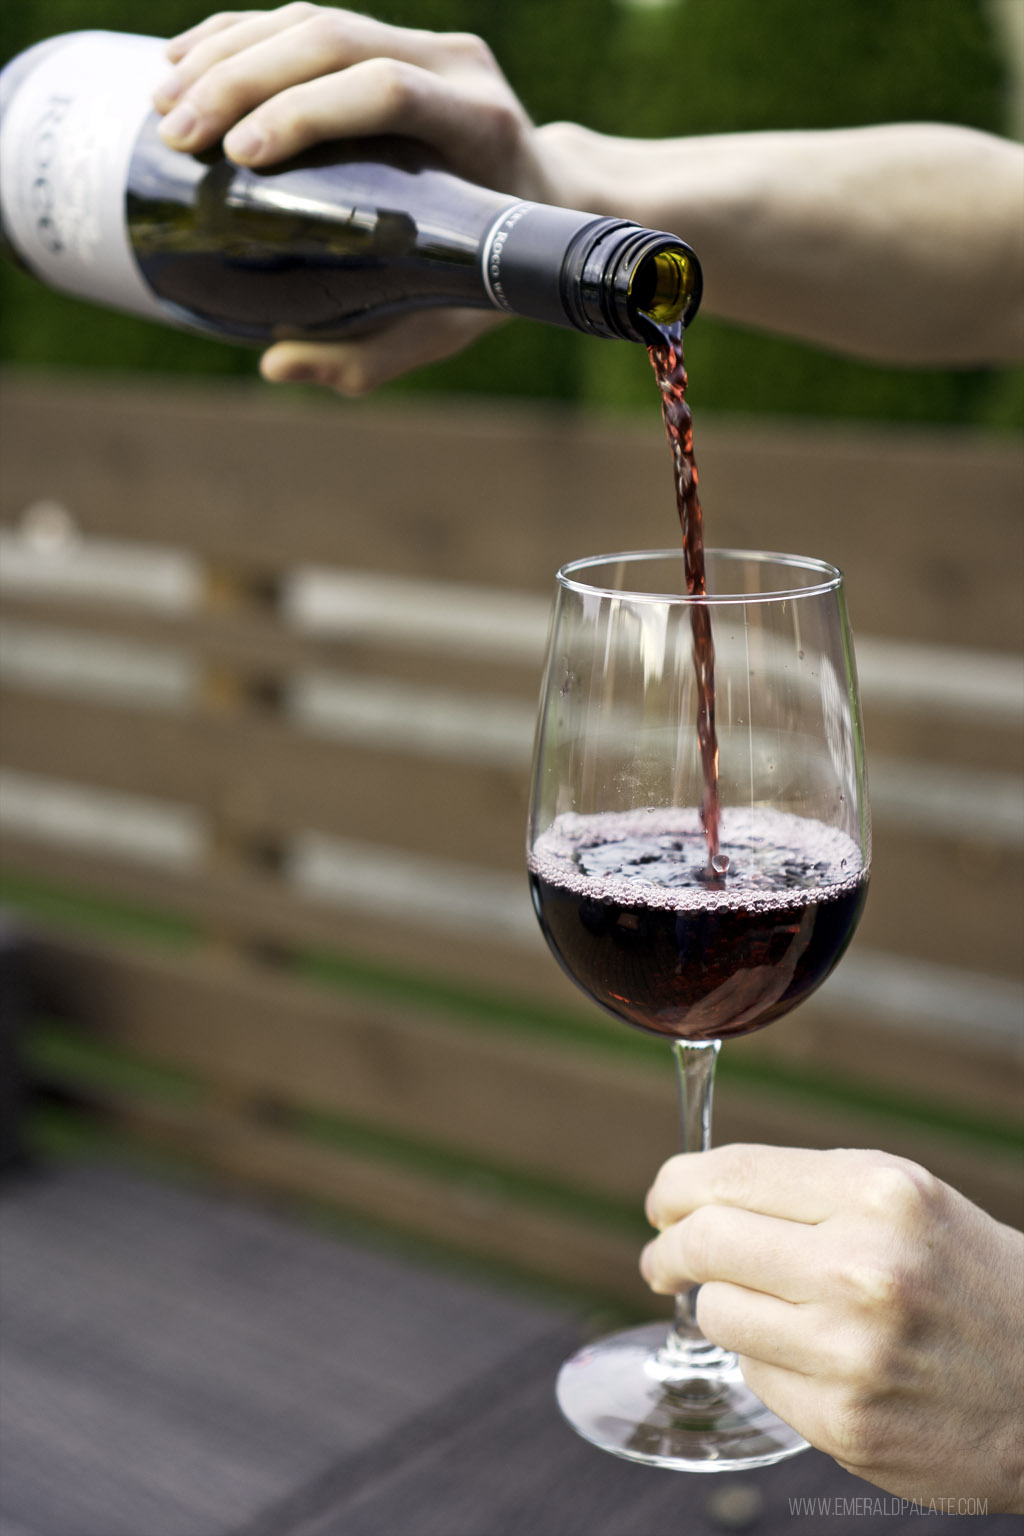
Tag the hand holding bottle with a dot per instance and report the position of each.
(896, 242)
(872, 1306)
(274, 83)
(368, 235)
(899, 242)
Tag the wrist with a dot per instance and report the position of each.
(582, 169)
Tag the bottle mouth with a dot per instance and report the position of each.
(624, 281)
(666, 287)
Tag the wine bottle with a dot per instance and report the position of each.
(326, 245)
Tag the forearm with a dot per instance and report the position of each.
(900, 243)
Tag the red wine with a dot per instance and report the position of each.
(633, 914)
(666, 354)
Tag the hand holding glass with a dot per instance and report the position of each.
(689, 941)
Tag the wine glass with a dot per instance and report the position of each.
(686, 932)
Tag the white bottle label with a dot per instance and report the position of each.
(67, 142)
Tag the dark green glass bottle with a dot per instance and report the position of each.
(327, 245)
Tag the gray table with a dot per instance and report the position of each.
(180, 1364)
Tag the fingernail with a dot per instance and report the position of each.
(244, 142)
(178, 126)
(300, 373)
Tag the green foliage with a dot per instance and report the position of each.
(686, 66)
(745, 65)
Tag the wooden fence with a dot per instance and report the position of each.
(270, 668)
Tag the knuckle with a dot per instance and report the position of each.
(735, 1175)
(340, 37)
(890, 1292)
(695, 1242)
(222, 83)
(878, 1343)
(671, 1259)
(222, 89)
(897, 1189)
(327, 31)
(882, 1362)
(713, 1314)
(470, 48)
(351, 380)
(867, 1361)
(301, 10)
(395, 82)
(851, 1428)
(872, 1284)
(504, 128)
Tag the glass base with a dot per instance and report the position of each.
(614, 1395)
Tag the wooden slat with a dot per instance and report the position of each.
(260, 774)
(970, 1071)
(258, 644)
(958, 1072)
(249, 906)
(469, 1216)
(886, 507)
(507, 494)
(260, 779)
(525, 1103)
(273, 1040)
(251, 640)
(893, 734)
(952, 901)
(259, 648)
(253, 908)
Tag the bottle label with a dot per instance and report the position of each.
(66, 146)
(494, 250)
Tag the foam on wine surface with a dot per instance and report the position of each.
(634, 914)
(655, 858)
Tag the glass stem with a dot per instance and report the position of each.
(686, 1352)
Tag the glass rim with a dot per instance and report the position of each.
(832, 577)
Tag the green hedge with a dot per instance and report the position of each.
(682, 66)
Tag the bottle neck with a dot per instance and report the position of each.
(607, 277)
